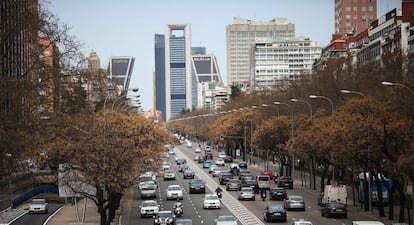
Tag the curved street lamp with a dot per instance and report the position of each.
(326, 98)
(386, 83)
(344, 91)
(277, 109)
(307, 103)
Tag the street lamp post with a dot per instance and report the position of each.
(344, 91)
(293, 155)
(332, 114)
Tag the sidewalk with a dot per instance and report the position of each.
(67, 214)
(9, 215)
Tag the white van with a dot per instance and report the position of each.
(367, 223)
(263, 181)
(336, 193)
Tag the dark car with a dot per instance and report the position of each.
(250, 183)
(228, 159)
(183, 167)
(201, 159)
(224, 177)
(233, 185)
(208, 155)
(180, 161)
(164, 217)
(274, 213)
(285, 181)
(334, 209)
(197, 186)
(188, 174)
(277, 193)
(243, 164)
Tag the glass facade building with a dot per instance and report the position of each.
(120, 71)
(177, 69)
(159, 73)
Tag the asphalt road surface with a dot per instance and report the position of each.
(37, 219)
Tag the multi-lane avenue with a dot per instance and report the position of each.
(247, 212)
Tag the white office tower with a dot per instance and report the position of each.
(278, 62)
(241, 37)
(177, 69)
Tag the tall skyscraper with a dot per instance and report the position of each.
(159, 75)
(354, 16)
(19, 58)
(241, 37)
(120, 71)
(177, 69)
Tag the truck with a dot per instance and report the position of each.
(336, 193)
(367, 223)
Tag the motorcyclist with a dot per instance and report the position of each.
(178, 204)
(263, 193)
(218, 189)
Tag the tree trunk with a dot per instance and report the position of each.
(402, 202)
(323, 175)
(380, 199)
(101, 205)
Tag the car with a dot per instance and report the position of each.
(212, 168)
(180, 161)
(285, 181)
(211, 201)
(277, 193)
(274, 213)
(302, 222)
(221, 155)
(184, 222)
(149, 208)
(171, 152)
(249, 183)
(263, 182)
(164, 217)
(196, 158)
(197, 186)
(269, 174)
(224, 177)
(246, 193)
(38, 205)
(207, 148)
(220, 162)
(201, 159)
(197, 150)
(233, 185)
(174, 191)
(208, 155)
(188, 174)
(243, 164)
(188, 144)
(225, 220)
(169, 175)
(166, 165)
(334, 209)
(207, 164)
(294, 202)
(183, 167)
(228, 159)
(219, 170)
(147, 189)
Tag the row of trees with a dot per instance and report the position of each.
(369, 131)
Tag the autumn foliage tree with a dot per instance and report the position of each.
(107, 151)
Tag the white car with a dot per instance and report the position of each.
(220, 162)
(225, 220)
(211, 201)
(174, 191)
(38, 205)
(222, 155)
(169, 175)
(302, 222)
(212, 168)
(207, 148)
(166, 165)
(149, 208)
(197, 150)
(189, 144)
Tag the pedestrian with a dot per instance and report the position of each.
(254, 162)
(250, 160)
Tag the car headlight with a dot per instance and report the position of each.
(192, 187)
(202, 186)
(170, 220)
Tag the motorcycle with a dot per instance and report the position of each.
(263, 194)
(218, 193)
(178, 211)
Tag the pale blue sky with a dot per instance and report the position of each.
(127, 27)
